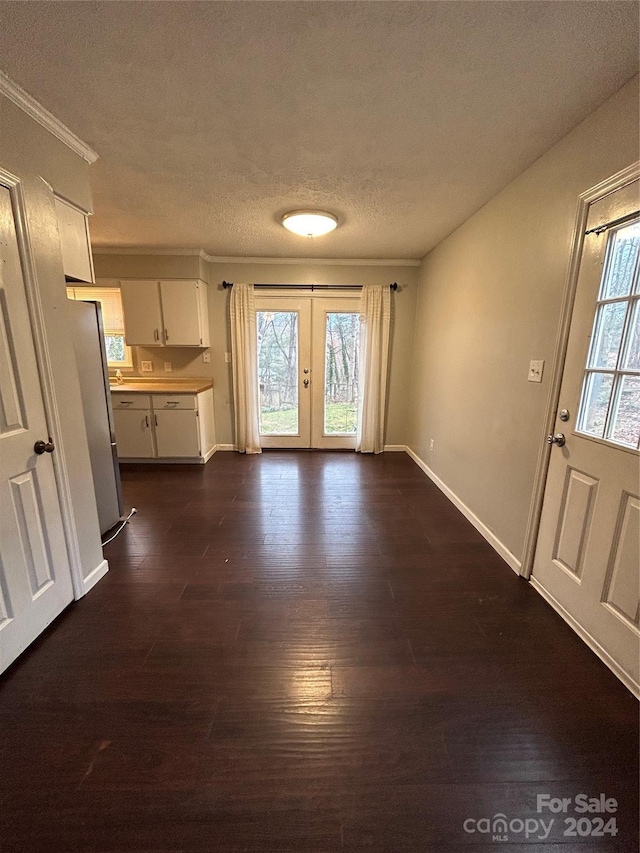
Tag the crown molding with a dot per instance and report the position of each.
(214, 259)
(134, 250)
(17, 95)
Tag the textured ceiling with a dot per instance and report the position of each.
(212, 118)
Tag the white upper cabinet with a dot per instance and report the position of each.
(165, 313)
(142, 313)
(184, 308)
(73, 228)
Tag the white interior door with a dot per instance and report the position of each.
(587, 558)
(35, 578)
(308, 371)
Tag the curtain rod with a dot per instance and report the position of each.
(312, 287)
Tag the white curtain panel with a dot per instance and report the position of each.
(244, 361)
(375, 321)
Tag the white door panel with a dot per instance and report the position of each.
(35, 579)
(142, 313)
(133, 433)
(177, 433)
(587, 556)
(180, 310)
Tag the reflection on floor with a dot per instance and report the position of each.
(305, 651)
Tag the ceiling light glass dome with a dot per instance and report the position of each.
(309, 223)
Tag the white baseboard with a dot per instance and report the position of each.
(584, 635)
(207, 456)
(224, 447)
(92, 579)
(509, 558)
(395, 448)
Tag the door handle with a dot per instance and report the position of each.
(558, 439)
(305, 382)
(41, 447)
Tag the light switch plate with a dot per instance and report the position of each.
(146, 366)
(206, 357)
(536, 369)
(227, 357)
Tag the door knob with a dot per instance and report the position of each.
(558, 439)
(41, 447)
(305, 382)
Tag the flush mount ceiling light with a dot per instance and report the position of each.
(309, 223)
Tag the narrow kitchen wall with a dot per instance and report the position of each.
(187, 362)
(489, 301)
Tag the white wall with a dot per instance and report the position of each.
(43, 164)
(188, 362)
(489, 301)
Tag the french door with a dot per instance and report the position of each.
(308, 371)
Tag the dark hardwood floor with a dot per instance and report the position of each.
(306, 652)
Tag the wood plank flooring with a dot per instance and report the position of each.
(306, 652)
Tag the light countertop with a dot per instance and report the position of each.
(137, 385)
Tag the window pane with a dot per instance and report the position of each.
(278, 371)
(342, 361)
(622, 262)
(595, 403)
(631, 360)
(115, 347)
(607, 334)
(625, 423)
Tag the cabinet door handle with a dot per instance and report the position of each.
(146, 420)
(156, 335)
(125, 402)
(166, 335)
(155, 417)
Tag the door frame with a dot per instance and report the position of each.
(585, 200)
(293, 293)
(45, 372)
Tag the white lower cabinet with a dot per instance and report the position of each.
(164, 427)
(134, 435)
(177, 433)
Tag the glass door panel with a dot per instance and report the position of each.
(283, 331)
(335, 372)
(278, 371)
(341, 375)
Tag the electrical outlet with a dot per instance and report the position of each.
(206, 357)
(227, 357)
(535, 371)
(146, 366)
(168, 367)
(432, 444)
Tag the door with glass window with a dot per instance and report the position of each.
(308, 371)
(587, 556)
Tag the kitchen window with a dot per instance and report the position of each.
(119, 355)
